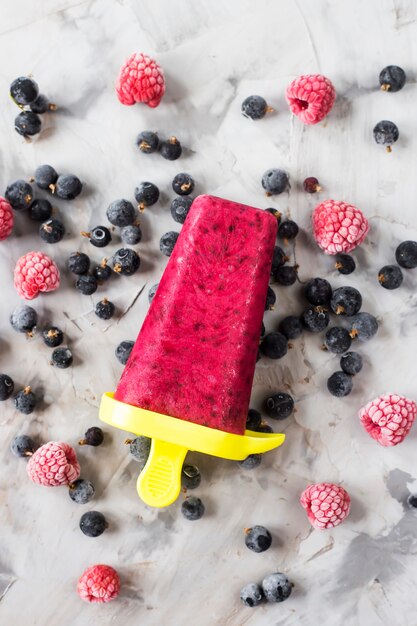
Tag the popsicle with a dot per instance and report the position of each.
(194, 358)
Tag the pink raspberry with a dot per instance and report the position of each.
(311, 97)
(141, 79)
(326, 504)
(338, 226)
(6, 218)
(35, 272)
(99, 583)
(388, 419)
(53, 464)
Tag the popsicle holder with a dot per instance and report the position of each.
(159, 483)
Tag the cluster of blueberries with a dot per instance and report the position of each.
(24, 92)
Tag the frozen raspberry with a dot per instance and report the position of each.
(311, 97)
(53, 464)
(326, 504)
(6, 218)
(99, 583)
(140, 80)
(35, 272)
(388, 419)
(338, 226)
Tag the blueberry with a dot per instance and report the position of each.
(275, 181)
(93, 437)
(251, 595)
(146, 194)
(19, 194)
(386, 133)
(337, 340)
(102, 272)
(121, 213)
(278, 259)
(131, 235)
(412, 501)
(274, 345)
(346, 301)
(42, 105)
(363, 326)
(24, 90)
(286, 275)
(167, 242)
(253, 460)
(291, 327)
(123, 351)
(45, 177)
(318, 291)
(104, 309)
(406, 254)
(52, 231)
(25, 401)
(258, 539)
(275, 213)
(62, 358)
(392, 78)
(27, 124)
(40, 210)
(270, 299)
(81, 491)
(78, 263)
(147, 141)
(390, 277)
(255, 107)
(22, 445)
(86, 284)
(276, 587)
(6, 387)
(190, 476)
(140, 448)
(340, 384)
(24, 319)
(99, 236)
(152, 292)
(180, 207)
(192, 508)
(52, 336)
(311, 185)
(345, 264)
(288, 230)
(170, 149)
(183, 184)
(253, 420)
(279, 406)
(67, 187)
(351, 363)
(93, 523)
(126, 262)
(315, 318)
(264, 428)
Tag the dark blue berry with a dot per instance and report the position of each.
(104, 309)
(278, 259)
(52, 336)
(152, 292)
(345, 264)
(264, 428)
(6, 387)
(275, 181)
(190, 476)
(167, 242)
(258, 539)
(180, 207)
(40, 210)
(251, 595)
(340, 384)
(390, 277)
(406, 254)
(253, 420)
(279, 406)
(337, 340)
(45, 177)
(23, 446)
(183, 184)
(86, 284)
(67, 187)
(146, 194)
(99, 236)
(412, 501)
(386, 133)
(93, 437)
(78, 263)
(27, 124)
(170, 149)
(286, 275)
(346, 301)
(253, 460)
(318, 291)
(123, 351)
(351, 363)
(24, 90)
(311, 185)
(140, 448)
(254, 107)
(275, 213)
(291, 327)
(288, 230)
(81, 491)
(52, 231)
(270, 299)
(147, 141)
(24, 319)
(274, 345)
(315, 318)
(363, 326)
(42, 105)
(192, 508)
(93, 523)
(19, 194)
(392, 78)
(126, 262)
(25, 401)
(121, 213)
(62, 358)
(276, 587)
(103, 271)
(131, 235)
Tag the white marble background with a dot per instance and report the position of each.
(177, 573)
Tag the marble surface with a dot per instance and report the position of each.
(175, 572)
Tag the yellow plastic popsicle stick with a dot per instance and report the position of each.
(160, 480)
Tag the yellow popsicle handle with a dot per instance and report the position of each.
(159, 483)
